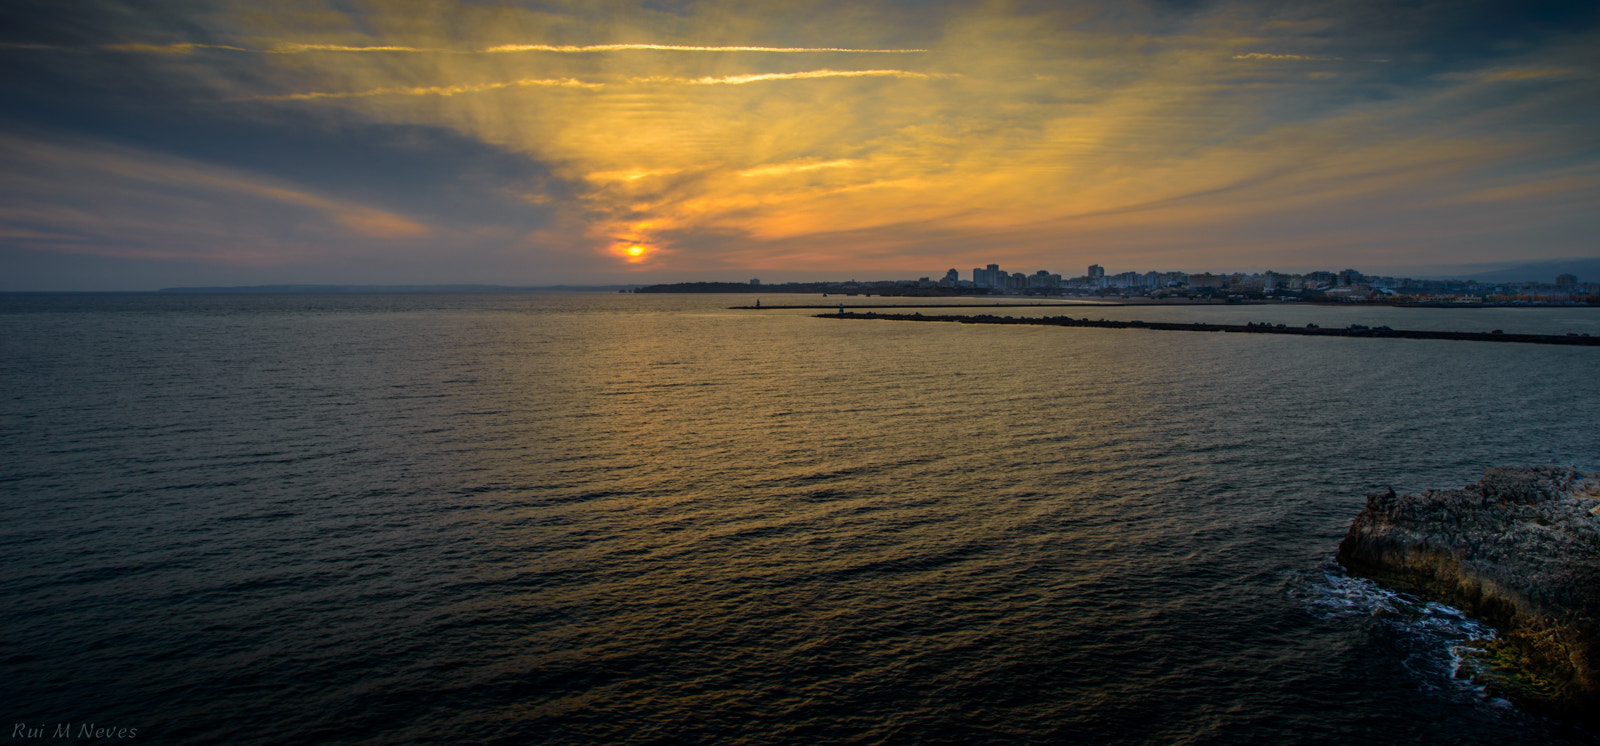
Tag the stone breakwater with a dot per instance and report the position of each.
(1309, 330)
(1519, 549)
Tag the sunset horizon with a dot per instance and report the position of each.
(798, 372)
(151, 147)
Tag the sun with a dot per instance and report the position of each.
(634, 253)
(633, 249)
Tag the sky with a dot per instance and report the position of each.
(155, 144)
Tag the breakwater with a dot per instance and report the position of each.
(1055, 304)
(1309, 330)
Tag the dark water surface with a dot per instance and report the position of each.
(617, 518)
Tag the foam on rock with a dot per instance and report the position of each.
(1519, 549)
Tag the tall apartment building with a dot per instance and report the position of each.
(990, 278)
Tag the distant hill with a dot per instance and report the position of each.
(1587, 270)
(259, 289)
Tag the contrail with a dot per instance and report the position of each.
(1307, 57)
(575, 83)
(445, 91)
(805, 75)
(685, 48)
(167, 48)
(298, 48)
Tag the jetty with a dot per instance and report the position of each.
(1056, 304)
(1309, 330)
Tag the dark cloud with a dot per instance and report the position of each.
(62, 86)
(1130, 98)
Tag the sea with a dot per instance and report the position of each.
(613, 518)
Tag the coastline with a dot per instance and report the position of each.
(1517, 549)
(1310, 330)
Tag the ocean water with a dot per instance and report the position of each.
(544, 518)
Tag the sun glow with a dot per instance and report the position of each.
(633, 253)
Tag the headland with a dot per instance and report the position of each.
(1521, 550)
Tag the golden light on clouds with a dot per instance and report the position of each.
(782, 169)
(296, 48)
(432, 90)
(688, 48)
(723, 137)
(632, 253)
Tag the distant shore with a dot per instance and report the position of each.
(349, 289)
(1092, 301)
(1309, 330)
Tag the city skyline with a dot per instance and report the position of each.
(172, 144)
(1348, 284)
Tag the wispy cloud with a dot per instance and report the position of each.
(631, 175)
(1275, 57)
(1271, 56)
(445, 91)
(803, 75)
(1520, 74)
(782, 169)
(91, 197)
(304, 48)
(173, 49)
(168, 48)
(453, 90)
(982, 128)
(30, 46)
(689, 48)
(295, 48)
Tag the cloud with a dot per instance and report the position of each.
(297, 48)
(184, 48)
(1521, 74)
(453, 90)
(1035, 132)
(304, 48)
(689, 48)
(450, 90)
(802, 75)
(786, 168)
(1269, 56)
(633, 175)
(379, 224)
(88, 197)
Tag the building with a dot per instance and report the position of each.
(1125, 280)
(1043, 280)
(989, 278)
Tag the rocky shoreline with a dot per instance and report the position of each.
(1521, 550)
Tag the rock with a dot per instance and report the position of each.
(1520, 550)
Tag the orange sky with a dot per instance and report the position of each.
(806, 140)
